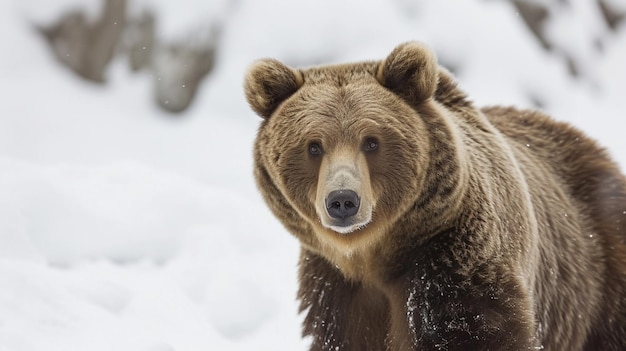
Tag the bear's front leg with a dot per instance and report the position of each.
(340, 314)
(447, 311)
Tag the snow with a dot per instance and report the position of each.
(124, 228)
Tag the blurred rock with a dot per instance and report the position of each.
(179, 67)
(534, 15)
(539, 15)
(84, 47)
(139, 40)
(612, 15)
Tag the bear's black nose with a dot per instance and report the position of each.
(342, 204)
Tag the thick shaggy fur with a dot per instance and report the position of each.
(484, 229)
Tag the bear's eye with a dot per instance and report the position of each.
(315, 149)
(371, 144)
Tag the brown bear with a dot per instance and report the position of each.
(429, 224)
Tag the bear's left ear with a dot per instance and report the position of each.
(410, 71)
(268, 83)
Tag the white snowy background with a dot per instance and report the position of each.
(124, 228)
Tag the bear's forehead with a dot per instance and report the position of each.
(339, 99)
(346, 112)
(355, 99)
(340, 75)
(349, 87)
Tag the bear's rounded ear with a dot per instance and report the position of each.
(268, 83)
(410, 71)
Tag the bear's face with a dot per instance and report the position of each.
(342, 146)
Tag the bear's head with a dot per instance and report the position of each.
(343, 151)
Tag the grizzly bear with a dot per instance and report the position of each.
(428, 224)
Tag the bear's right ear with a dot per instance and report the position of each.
(410, 71)
(268, 83)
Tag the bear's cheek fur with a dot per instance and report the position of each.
(298, 184)
(398, 177)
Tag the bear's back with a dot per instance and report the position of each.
(584, 168)
(585, 218)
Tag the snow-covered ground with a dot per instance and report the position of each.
(124, 228)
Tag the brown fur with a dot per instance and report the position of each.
(492, 229)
